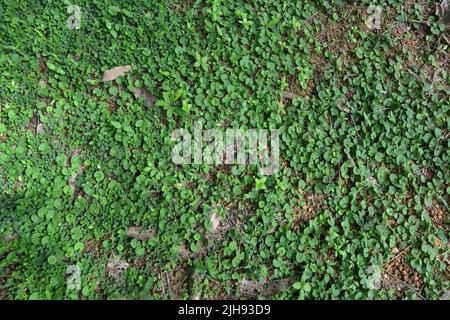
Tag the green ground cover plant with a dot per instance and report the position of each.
(92, 206)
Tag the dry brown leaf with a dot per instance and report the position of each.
(116, 267)
(73, 178)
(445, 11)
(289, 95)
(215, 221)
(277, 286)
(135, 232)
(115, 72)
(185, 253)
(264, 288)
(373, 181)
(39, 128)
(251, 287)
(149, 99)
(9, 237)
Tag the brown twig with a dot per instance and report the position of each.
(420, 22)
(406, 285)
(398, 255)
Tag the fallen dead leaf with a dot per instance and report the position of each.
(116, 267)
(251, 287)
(264, 288)
(289, 95)
(215, 221)
(277, 286)
(373, 181)
(9, 237)
(115, 72)
(135, 232)
(149, 99)
(73, 178)
(445, 12)
(185, 253)
(39, 128)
